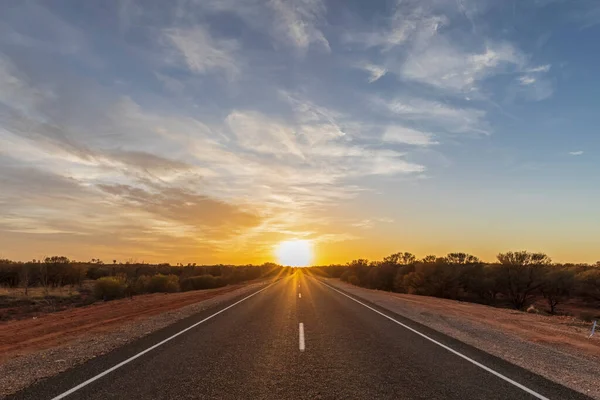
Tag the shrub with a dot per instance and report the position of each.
(141, 284)
(345, 275)
(202, 282)
(109, 288)
(353, 280)
(163, 284)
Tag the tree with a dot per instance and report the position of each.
(589, 283)
(44, 280)
(400, 258)
(462, 258)
(523, 272)
(429, 259)
(25, 277)
(57, 260)
(558, 285)
(485, 281)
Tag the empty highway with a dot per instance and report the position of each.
(298, 338)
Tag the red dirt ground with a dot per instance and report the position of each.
(46, 331)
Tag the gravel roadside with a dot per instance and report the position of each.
(511, 335)
(20, 372)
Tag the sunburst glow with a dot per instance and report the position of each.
(295, 253)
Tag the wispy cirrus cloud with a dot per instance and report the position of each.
(297, 21)
(293, 23)
(419, 44)
(576, 153)
(437, 115)
(201, 52)
(409, 22)
(445, 66)
(404, 135)
(15, 90)
(375, 71)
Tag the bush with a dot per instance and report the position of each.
(202, 282)
(141, 284)
(109, 288)
(353, 280)
(158, 283)
(163, 284)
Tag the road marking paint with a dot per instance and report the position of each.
(130, 359)
(299, 295)
(301, 338)
(499, 375)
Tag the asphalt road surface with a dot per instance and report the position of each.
(255, 349)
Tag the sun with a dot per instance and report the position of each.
(295, 253)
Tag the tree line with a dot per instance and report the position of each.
(122, 279)
(517, 278)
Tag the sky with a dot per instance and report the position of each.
(211, 130)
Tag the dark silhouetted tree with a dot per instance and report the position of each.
(523, 274)
(557, 285)
(400, 258)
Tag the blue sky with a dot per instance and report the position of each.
(211, 130)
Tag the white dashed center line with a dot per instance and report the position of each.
(299, 295)
(301, 341)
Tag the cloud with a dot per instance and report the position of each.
(425, 42)
(401, 134)
(437, 115)
(255, 132)
(296, 22)
(184, 207)
(587, 14)
(375, 71)
(148, 162)
(541, 68)
(171, 84)
(576, 153)
(202, 53)
(370, 223)
(444, 65)
(534, 85)
(293, 23)
(527, 80)
(15, 89)
(51, 33)
(407, 23)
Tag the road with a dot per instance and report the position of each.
(253, 350)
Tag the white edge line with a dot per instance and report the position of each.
(119, 365)
(301, 343)
(499, 375)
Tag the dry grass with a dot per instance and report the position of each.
(38, 292)
(16, 305)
